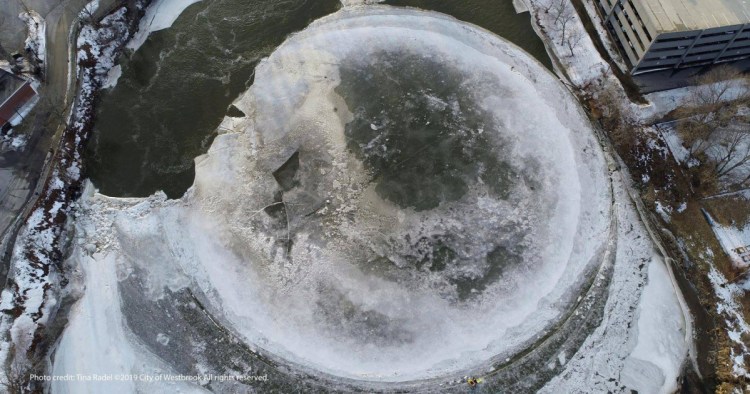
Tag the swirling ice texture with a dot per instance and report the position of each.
(302, 228)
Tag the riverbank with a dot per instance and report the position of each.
(43, 127)
(38, 277)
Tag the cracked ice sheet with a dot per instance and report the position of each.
(36, 39)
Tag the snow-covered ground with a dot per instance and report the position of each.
(12, 142)
(35, 41)
(661, 340)
(735, 240)
(729, 146)
(560, 25)
(100, 46)
(89, 10)
(676, 146)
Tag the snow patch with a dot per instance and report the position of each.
(35, 41)
(661, 344)
(89, 10)
(665, 211)
(12, 142)
(112, 76)
(735, 240)
(676, 147)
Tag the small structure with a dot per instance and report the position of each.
(672, 34)
(16, 98)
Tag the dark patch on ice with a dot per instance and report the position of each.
(436, 255)
(234, 112)
(447, 259)
(498, 261)
(276, 210)
(337, 311)
(419, 131)
(286, 175)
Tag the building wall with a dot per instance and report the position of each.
(648, 50)
(696, 48)
(629, 26)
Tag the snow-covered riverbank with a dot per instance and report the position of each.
(38, 279)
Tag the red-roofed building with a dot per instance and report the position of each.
(15, 95)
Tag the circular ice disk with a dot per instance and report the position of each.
(409, 196)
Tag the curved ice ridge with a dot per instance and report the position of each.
(288, 264)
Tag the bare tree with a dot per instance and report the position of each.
(572, 40)
(547, 5)
(563, 14)
(734, 153)
(710, 106)
(566, 16)
(714, 122)
(15, 379)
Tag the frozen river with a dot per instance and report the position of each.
(392, 199)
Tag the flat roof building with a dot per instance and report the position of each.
(661, 34)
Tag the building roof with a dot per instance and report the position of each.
(683, 15)
(14, 94)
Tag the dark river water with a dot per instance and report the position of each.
(177, 87)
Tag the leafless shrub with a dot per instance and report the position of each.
(714, 124)
(15, 379)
